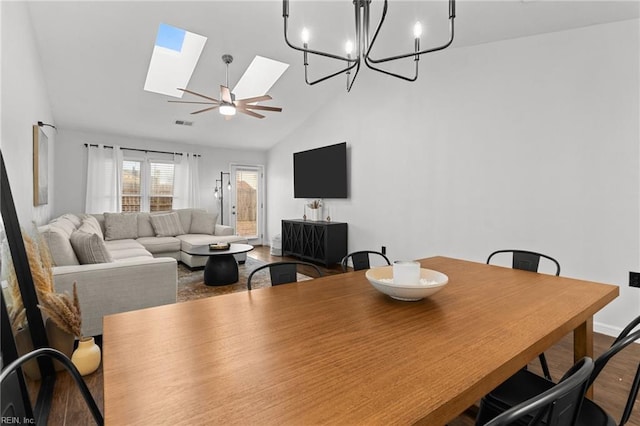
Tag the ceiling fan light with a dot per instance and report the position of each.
(227, 110)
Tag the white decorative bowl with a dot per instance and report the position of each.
(430, 282)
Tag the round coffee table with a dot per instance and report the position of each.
(221, 267)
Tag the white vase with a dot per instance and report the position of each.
(315, 214)
(87, 356)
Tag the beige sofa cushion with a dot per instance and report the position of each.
(145, 229)
(185, 219)
(100, 218)
(120, 226)
(125, 249)
(160, 244)
(167, 225)
(75, 220)
(62, 253)
(89, 248)
(64, 224)
(90, 225)
(203, 222)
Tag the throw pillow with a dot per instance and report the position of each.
(75, 220)
(64, 225)
(167, 225)
(203, 222)
(90, 225)
(89, 248)
(185, 218)
(120, 226)
(145, 229)
(62, 252)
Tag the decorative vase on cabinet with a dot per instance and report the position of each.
(316, 214)
(87, 356)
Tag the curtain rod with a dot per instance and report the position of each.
(87, 145)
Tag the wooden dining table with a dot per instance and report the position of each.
(334, 350)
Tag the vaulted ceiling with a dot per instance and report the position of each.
(95, 55)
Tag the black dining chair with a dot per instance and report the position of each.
(361, 259)
(529, 261)
(13, 410)
(557, 406)
(524, 384)
(525, 260)
(283, 272)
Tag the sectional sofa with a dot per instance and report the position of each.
(127, 261)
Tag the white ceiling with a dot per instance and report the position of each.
(95, 55)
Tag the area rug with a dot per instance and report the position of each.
(191, 284)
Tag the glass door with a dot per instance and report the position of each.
(247, 207)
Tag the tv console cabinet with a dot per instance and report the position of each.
(319, 242)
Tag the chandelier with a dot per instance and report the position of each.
(364, 45)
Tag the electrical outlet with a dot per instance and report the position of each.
(383, 250)
(634, 279)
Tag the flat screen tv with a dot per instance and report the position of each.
(321, 172)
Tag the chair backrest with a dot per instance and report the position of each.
(622, 341)
(558, 406)
(360, 259)
(283, 272)
(8, 374)
(526, 260)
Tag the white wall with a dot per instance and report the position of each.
(24, 102)
(71, 182)
(529, 143)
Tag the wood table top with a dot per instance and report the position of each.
(336, 351)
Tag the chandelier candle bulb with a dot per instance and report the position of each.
(406, 272)
(348, 47)
(417, 30)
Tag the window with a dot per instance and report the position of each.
(161, 187)
(131, 186)
(147, 185)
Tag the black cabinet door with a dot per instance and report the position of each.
(320, 242)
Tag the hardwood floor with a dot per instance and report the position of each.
(611, 388)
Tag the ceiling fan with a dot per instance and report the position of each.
(228, 104)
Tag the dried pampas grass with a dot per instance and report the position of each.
(40, 265)
(17, 312)
(17, 318)
(64, 311)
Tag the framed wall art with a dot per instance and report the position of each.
(40, 167)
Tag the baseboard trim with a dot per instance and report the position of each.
(606, 329)
(601, 328)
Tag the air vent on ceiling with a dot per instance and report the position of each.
(184, 123)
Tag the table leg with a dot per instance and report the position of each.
(583, 345)
(221, 269)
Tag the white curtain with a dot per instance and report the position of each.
(186, 182)
(104, 179)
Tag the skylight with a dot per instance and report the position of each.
(261, 74)
(175, 55)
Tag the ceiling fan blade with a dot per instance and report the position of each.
(194, 102)
(225, 94)
(198, 94)
(251, 113)
(206, 109)
(263, 107)
(255, 99)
